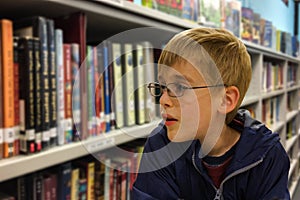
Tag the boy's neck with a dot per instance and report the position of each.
(228, 138)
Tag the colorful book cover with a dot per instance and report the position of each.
(210, 13)
(247, 24)
(75, 90)
(267, 42)
(68, 93)
(107, 98)
(256, 28)
(233, 12)
(91, 90)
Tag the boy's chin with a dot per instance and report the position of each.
(178, 137)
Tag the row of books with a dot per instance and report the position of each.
(50, 92)
(271, 111)
(272, 76)
(91, 177)
(243, 22)
(291, 129)
(292, 78)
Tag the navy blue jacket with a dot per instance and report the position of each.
(258, 170)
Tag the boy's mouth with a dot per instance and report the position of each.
(169, 120)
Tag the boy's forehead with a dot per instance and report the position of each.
(180, 71)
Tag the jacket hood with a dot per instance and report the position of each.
(255, 142)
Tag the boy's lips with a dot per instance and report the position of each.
(169, 119)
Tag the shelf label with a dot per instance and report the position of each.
(101, 144)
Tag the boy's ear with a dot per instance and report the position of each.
(229, 100)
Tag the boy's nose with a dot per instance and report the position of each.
(165, 99)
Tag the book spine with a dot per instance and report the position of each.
(68, 92)
(97, 92)
(90, 180)
(40, 30)
(118, 89)
(27, 110)
(111, 88)
(129, 103)
(16, 94)
(38, 93)
(52, 83)
(76, 91)
(106, 87)
(139, 84)
(8, 87)
(101, 115)
(60, 86)
(91, 97)
(148, 62)
(75, 183)
(1, 101)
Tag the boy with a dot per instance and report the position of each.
(206, 148)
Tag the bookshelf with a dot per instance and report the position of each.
(106, 18)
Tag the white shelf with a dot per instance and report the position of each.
(276, 126)
(272, 94)
(290, 115)
(290, 142)
(19, 165)
(292, 167)
(106, 19)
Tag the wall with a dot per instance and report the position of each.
(282, 16)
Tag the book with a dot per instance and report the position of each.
(256, 28)
(38, 93)
(52, 82)
(91, 89)
(128, 78)
(75, 183)
(267, 42)
(68, 93)
(75, 91)
(74, 31)
(210, 13)
(100, 88)
(106, 92)
(149, 77)
(60, 86)
(233, 12)
(16, 99)
(139, 84)
(1, 103)
(64, 175)
(27, 110)
(7, 79)
(247, 24)
(118, 89)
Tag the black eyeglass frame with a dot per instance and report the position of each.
(156, 85)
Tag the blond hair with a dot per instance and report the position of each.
(227, 53)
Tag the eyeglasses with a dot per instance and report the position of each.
(174, 89)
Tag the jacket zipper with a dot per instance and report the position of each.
(219, 191)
